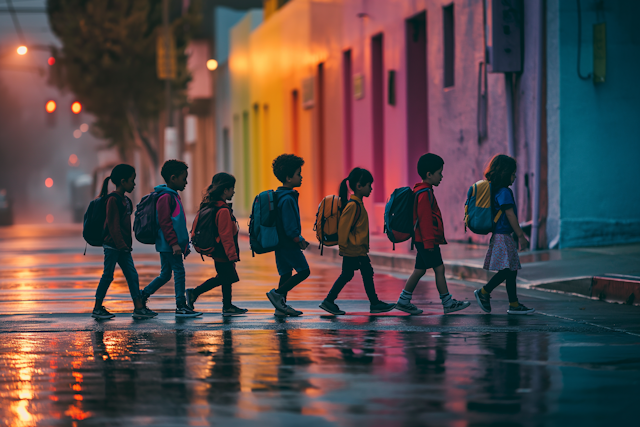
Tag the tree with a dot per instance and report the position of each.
(108, 61)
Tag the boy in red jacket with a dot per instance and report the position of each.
(429, 235)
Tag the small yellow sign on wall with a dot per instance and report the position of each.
(358, 86)
(599, 53)
(166, 65)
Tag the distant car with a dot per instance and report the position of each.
(6, 215)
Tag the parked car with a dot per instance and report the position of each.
(6, 214)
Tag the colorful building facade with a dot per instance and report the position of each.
(376, 84)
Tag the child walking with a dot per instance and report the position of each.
(288, 169)
(502, 255)
(353, 241)
(221, 190)
(117, 242)
(429, 235)
(172, 241)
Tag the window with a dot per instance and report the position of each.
(449, 45)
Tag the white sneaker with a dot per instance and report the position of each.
(456, 306)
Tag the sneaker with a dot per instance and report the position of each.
(279, 313)
(408, 308)
(520, 309)
(102, 313)
(277, 300)
(185, 311)
(191, 298)
(456, 306)
(331, 307)
(292, 311)
(144, 305)
(232, 310)
(143, 313)
(381, 307)
(484, 300)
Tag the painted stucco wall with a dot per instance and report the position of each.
(272, 61)
(597, 129)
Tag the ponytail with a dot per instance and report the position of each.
(356, 176)
(120, 172)
(343, 193)
(105, 187)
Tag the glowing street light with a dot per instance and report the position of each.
(84, 127)
(22, 50)
(48, 182)
(76, 107)
(73, 160)
(212, 64)
(50, 106)
(77, 133)
(51, 60)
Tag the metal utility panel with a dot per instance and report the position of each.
(506, 36)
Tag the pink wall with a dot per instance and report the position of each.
(305, 33)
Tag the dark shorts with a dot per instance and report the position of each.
(288, 259)
(426, 259)
(227, 270)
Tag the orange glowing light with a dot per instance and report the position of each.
(51, 60)
(76, 413)
(48, 182)
(76, 107)
(22, 50)
(50, 106)
(77, 387)
(73, 160)
(212, 64)
(78, 397)
(49, 218)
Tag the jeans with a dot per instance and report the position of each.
(349, 266)
(169, 263)
(227, 275)
(124, 259)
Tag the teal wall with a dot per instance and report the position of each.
(599, 128)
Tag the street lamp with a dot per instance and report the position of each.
(22, 50)
(50, 106)
(212, 64)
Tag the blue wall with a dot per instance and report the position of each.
(600, 128)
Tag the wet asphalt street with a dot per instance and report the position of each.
(575, 362)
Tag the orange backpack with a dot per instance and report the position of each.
(327, 219)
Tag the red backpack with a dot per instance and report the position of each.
(205, 236)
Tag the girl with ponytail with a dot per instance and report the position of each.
(221, 190)
(117, 242)
(353, 240)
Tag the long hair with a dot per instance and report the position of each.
(120, 172)
(499, 171)
(356, 176)
(220, 182)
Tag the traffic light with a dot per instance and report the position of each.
(50, 107)
(76, 109)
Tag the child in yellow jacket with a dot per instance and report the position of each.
(353, 240)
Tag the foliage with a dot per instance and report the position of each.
(108, 61)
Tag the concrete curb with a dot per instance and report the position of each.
(611, 289)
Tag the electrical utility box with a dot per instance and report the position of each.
(505, 36)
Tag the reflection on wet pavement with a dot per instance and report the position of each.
(316, 377)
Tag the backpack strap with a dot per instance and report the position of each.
(415, 210)
(358, 210)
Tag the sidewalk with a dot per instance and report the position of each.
(609, 273)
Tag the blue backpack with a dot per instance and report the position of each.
(477, 209)
(263, 231)
(398, 215)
